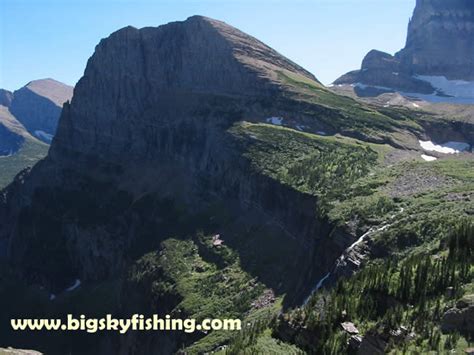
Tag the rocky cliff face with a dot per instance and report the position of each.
(153, 149)
(150, 118)
(157, 78)
(440, 40)
(440, 43)
(38, 106)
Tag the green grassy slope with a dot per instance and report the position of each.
(349, 116)
(31, 151)
(174, 267)
(358, 186)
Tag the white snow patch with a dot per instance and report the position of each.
(455, 88)
(77, 283)
(428, 157)
(321, 133)
(445, 148)
(433, 98)
(415, 105)
(275, 120)
(43, 135)
(301, 127)
(363, 86)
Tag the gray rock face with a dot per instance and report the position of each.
(461, 317)
(6, 97)
(38, 106)
(372, 344)
(150, 117)
(135, 74)
(440, 42)
(382, 73)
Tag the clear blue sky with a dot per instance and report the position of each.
(54, 38)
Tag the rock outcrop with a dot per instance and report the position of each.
(460, 318)
(440, 44)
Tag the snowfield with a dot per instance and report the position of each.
(428, 157)
(445, 148)
(462, 90)
(456, 88)
(278, 121)
(43, 135)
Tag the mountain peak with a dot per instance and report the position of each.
(37, 106)
(172, 69)
(51, 89)
(199, 53)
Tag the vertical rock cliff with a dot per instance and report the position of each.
(438, 57)
(440, 40)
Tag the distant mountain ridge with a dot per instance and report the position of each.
(437, 62)
(28, 119)
(38, 105)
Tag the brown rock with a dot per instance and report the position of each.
(349, 328)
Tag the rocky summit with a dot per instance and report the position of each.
(167, 71)
(438, 58)
(197, 172)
